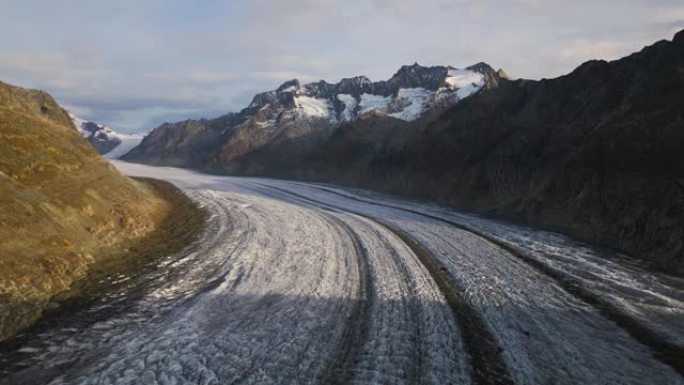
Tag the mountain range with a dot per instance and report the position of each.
(294, 119)
(596, 153)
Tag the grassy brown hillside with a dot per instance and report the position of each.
(63, 208)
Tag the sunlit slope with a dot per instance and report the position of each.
(63, 206)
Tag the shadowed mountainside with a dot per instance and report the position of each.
(596, 153)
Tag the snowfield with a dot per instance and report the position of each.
(296, 283)
(313, 107)
(350, 104)
(371, 102)
(415, 100)
(466, 82)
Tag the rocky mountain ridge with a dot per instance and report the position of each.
(406, 95)
(295, 117)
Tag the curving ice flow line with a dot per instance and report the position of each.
(294, 283)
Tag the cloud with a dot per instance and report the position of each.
(579, 50)
(134, 64)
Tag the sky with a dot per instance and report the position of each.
(136, 64)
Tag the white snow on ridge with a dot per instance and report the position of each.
(371, 102)
(128, 141)
(466, 82)
(313, 107)
(104, 130)
(406, 104)
(417, 99)
(350, 104)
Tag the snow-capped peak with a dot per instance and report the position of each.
(104, 139)
(87, 128)
(407, 95)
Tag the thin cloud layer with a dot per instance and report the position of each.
(134, 65)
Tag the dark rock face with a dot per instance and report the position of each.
(596, 154)
(175, 143)
(355, 86)
(679, 37)
(413, 76)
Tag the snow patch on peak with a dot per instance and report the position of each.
(413, 101)
(350, 104)
(371, 102)
(109, 142)
(88, 129)
(313, 107)
(462, 78)
(466, 82)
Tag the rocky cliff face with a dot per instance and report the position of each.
(287, 123)
(63, 207)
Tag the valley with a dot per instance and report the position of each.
(270, 193)
(303, 283)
